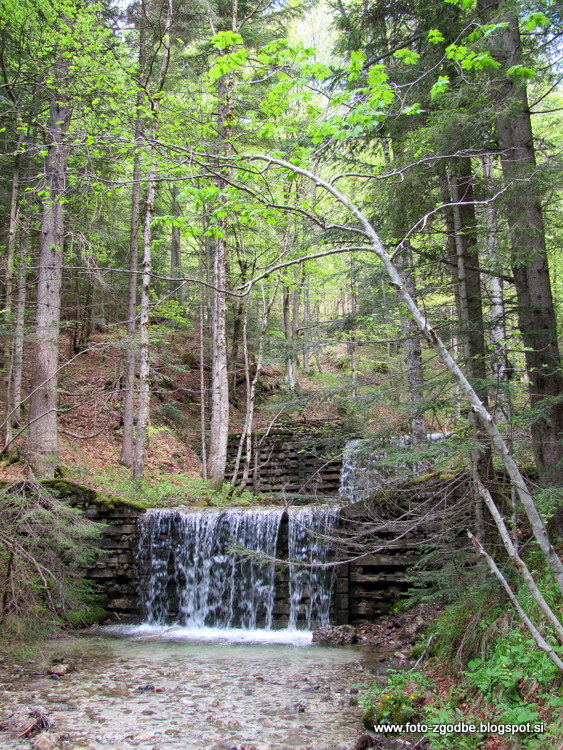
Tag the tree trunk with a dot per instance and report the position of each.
(413, 354)
(13, 412)
(143, 407)
(288, 301)
(500, 369)
(128, 437)
(8, 298)
(536, 315)
(219, 423)
(467, 279)
(43, 423)
(175, 247)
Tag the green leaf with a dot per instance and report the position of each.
(224, 39)
(535, 20)
(519, 72)
(440, 86)
(435, 36)
(408, 56)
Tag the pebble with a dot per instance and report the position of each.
(45, 741)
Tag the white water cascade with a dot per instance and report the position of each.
(217, 569)
(365, 469)
(372, 464)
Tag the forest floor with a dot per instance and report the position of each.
(91, 413)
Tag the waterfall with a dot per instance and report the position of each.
(310, 588)
(215, 569)
(372, 464)
(365, 470)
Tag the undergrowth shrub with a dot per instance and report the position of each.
(484, 667)
(43, 543)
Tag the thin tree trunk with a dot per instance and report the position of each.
(471, 316)
(15, 400)
(202, 388)
(289, 327)
(143, 408)
(306, 323)
(219, 425)
(175, 245)
(8, 298)
(219, 422)
(43, 422)
(502, 407)
(128, 436)
(413, 354)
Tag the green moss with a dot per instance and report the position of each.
(65, 488)
(83, 618)
(113, 501)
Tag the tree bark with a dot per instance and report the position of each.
(412, 353)
(143, 407)
(536, 314)
(15, 393)
(43, 422)
(290, 305)
(8, 297)
(128, 437)
(175, 246)
(219, 420)
(144, 353)
(500, 369)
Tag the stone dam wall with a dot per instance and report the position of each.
(366, 587)
(286, 460)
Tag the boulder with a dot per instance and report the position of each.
(335, 635)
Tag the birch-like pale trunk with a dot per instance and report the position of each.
(219, 418)
(219, 421)
(290, 302)
(128, 435)
(43, 422)
(143, 407)
(502, 409)
(477, 406)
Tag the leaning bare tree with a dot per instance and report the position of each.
(478, 411)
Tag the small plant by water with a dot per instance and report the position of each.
(43, 543)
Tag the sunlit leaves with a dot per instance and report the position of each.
(440, 86)
(536, 20)
(224, 39)
(521, 72)
(408, 56)
(435, 36)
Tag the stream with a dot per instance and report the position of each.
(159, 688)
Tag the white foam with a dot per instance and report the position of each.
(226, 635)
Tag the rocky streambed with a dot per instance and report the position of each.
(165, 688)
(116, 693)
